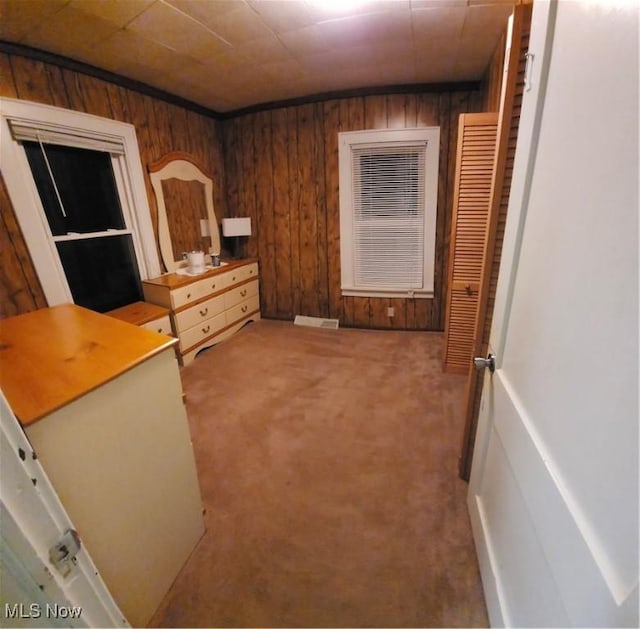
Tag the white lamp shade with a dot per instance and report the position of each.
(236, 226)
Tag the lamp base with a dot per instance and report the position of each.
(237, 249)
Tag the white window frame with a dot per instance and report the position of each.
(429, 137)
(93, 132)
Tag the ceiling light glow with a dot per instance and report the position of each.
(337, 6)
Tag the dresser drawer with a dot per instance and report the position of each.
(161, 325)
(207, 308)
(201, 331)
(241, 274)
(236, 295)
(199, 313)
(192, 292)
(243, 309)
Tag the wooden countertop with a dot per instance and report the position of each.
(50, 357)
(139, 313)
(173, 280)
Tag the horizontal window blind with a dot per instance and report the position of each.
(388, 196)
(30, 131)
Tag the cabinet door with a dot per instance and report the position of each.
(472, 194)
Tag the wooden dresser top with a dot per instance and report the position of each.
(50, 357)
(138, 313)
(173, 280)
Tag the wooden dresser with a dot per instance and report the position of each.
(147, 316)
(101, 403)
(207, 308)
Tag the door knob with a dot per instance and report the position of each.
(480, 363)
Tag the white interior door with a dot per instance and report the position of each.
(553, 496)
(32, 519)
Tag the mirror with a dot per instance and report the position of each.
(184, 196)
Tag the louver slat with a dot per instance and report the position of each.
(474, 169)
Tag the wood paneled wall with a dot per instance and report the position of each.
(161, 127)
(278, 166)
(282, 170)
(492, 80)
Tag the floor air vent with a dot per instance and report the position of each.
(316, 322)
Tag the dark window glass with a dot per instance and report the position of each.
(86, 185)
(101, 272)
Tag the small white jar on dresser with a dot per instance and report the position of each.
(208, 307)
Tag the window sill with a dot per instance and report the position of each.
(388, 294)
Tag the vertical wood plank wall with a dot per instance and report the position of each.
(161, 127)
(280, 167)
(492, 82)
(282, 171)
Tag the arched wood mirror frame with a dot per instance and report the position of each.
(179, 165)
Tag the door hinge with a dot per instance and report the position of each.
(63, 553)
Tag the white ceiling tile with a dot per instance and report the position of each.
(139, 72)
(282, 16)
(403, 50)
(396, 73)
(433, 69)
(125, 47)
(371, 28)
(282, 71)
(210, 99)
(335, 60)
(438, 23)
(459, 73)
(511, 3)
(65, 33)
(437, 74)
(266, 49)
(487, 21)
(323, 10)
(474, 51)
(345, 78)
(437, 47)
(471, 66)
(305, 41)
(430, 4)
(166, 25)
(227, 67)
(236, 22)
(118, 12)
(18, 17)
(202, 10)
(227, 54)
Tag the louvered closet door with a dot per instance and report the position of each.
(474, 166)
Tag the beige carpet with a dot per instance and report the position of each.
(327, 463)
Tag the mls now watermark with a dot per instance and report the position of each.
(36, 610)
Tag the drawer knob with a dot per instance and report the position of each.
(233, 279)
(159, 330)
(205, 330)
(203, 313)
(213, 285)
(188, 295)
(244, 308)
(243, 293)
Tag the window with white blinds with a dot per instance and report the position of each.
(388, 197)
